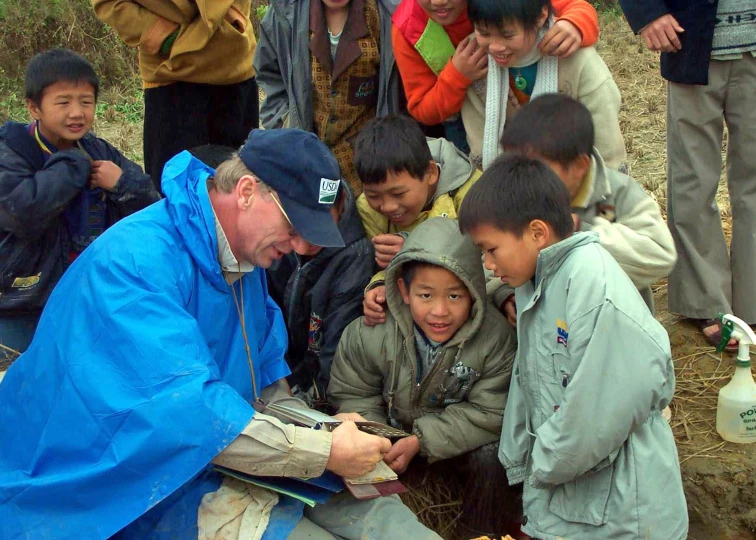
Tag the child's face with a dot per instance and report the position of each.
(510, 258)
(402, 197)
(510, 42)
(438, 300)
(65, 112)
(444, 12)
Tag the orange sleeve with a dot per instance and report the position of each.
(582, 15)
(430, 99)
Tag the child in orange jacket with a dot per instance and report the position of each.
(438, 63)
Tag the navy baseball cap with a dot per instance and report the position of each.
(305, 175)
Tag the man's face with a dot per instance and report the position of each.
(264, 234)
(402, 197)
(510, 258)
(438, 300)
(65, 112)
(444, 12)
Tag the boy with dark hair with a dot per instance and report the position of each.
(60, 188)
(512, 33)
(406, 179)
(583, 427)
(440, 366)
(558, 130)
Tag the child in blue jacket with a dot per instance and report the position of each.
(60, 188)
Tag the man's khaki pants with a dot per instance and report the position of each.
(707, 279)
(343, 516)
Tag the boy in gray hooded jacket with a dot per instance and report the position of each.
(583, 426)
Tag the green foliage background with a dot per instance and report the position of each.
(30, 26)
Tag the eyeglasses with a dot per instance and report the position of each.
(292, 231)
(278, 204)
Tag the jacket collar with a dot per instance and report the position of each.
(551, 258)
(348, 50)
(232, 269)
(595, 187)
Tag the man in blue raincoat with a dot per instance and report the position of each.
(152, 351)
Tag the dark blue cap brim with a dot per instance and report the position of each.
(317, 228)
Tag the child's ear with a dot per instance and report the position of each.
(540, 233)
(33, 109)
(543, 17)
(432, 173)
(403, 290)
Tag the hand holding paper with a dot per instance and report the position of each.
(354, 453)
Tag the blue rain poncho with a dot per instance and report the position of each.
(136, 379)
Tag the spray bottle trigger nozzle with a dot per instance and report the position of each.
(727, 328)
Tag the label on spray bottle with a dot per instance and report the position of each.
(748, 422)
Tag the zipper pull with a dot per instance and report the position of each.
(564, 380)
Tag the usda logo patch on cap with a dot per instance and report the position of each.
(328, 191)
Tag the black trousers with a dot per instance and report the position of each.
(181, 116)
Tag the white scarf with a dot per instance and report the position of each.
(497, 93)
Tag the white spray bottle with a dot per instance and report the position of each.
(736, 407)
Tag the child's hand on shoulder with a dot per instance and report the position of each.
(386, 248)
(470, 60)
(372, 306)
(105, 175)
(401, 454)
(561, 40)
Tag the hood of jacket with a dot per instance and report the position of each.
(454, 166)
(185, 187)
(438, 241)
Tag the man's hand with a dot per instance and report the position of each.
(349, 417)
(354, 453)
(561, 40)
(386, 248)
(372, 306)
(509, 309)
(470, 60)
(661, 35)
(401, 453)
(105, 175)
